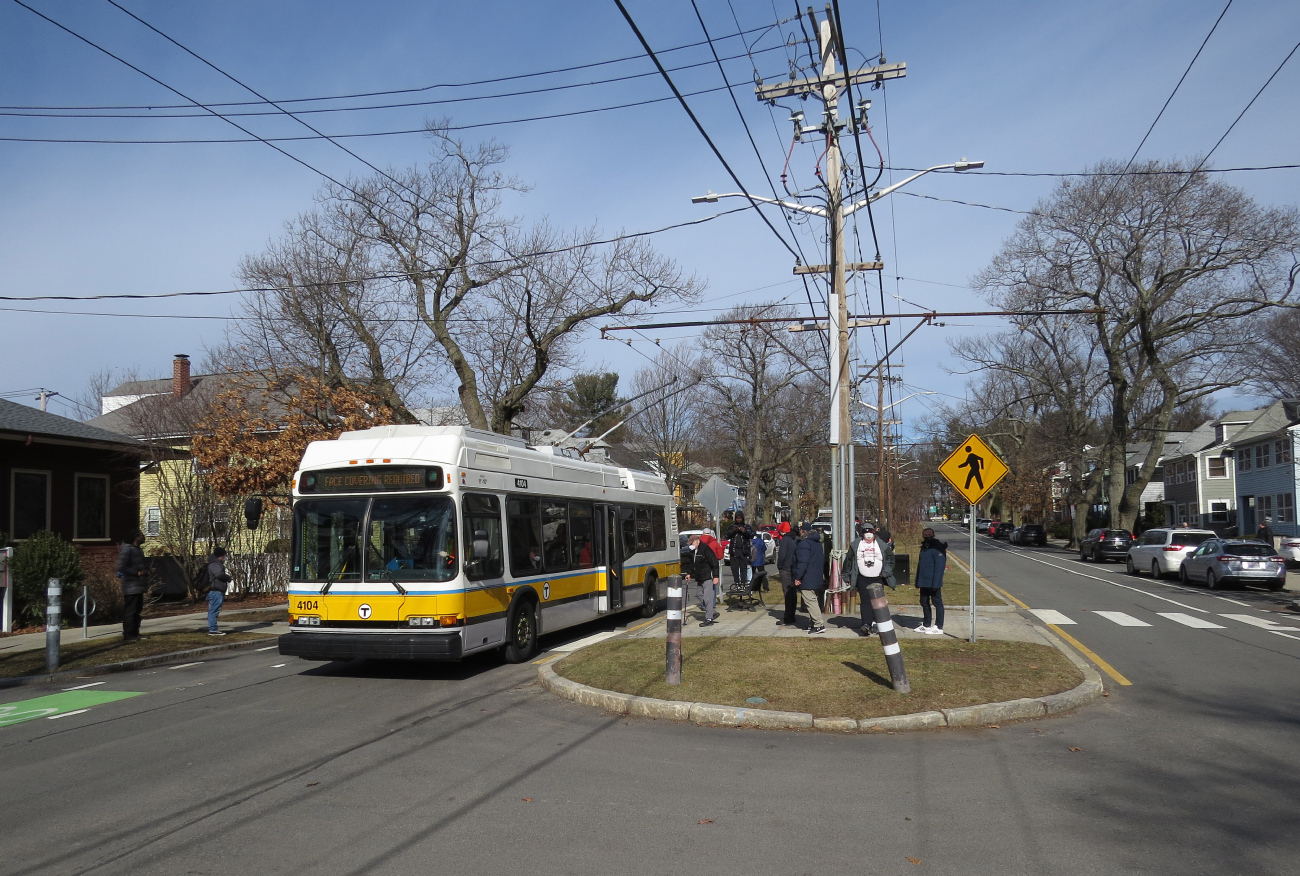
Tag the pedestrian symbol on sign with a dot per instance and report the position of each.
(974, 462)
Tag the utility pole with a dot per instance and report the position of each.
(43, 396)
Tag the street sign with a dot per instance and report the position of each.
(973, 469)
(716, 495)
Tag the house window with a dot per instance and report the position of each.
(1282, 450)
(1218, 512)
(1217, 467)
(90, 509)
(29, 502)
(1182, 513)
(1261, 456)
(1286, 508)
(1266, 508)
(153, 521)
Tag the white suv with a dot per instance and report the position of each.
(1161, 551)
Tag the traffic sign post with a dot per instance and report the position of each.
(973, 469)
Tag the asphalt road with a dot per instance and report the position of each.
(251, 763)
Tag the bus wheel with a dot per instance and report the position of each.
(651, 607)
(521, 632)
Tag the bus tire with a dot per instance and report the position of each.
(521, 632)
(651, 606)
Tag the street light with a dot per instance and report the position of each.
(891, 404)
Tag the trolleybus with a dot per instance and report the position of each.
(436, 542)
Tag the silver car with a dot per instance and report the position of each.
(1220, 563)
(1161, 551)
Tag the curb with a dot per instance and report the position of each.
(127, 665)
(708, 714)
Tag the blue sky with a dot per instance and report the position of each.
(1024, 86)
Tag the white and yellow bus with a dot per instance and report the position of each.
(435, 542)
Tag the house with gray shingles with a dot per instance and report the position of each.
(1200, 478)
(1265, 453)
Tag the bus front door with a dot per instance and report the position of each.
(612, 544)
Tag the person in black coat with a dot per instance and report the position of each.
(809, 558)
(1265, 533)
(704, 569)
(785, 555)
(739, 537)
(132, 569)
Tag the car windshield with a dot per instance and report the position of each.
(1121, 533)
(1248, 550)
(1190, 538)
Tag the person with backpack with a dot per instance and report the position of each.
(719, 552)
(738, 539)
(758, 563)
(785, 556)
(218, 581)
(870, 561)
(131, 568)
(929, 580)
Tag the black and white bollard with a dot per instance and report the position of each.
(888, 637)
(676, 605)
(53, 622)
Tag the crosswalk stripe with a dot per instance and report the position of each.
(1048, 616)
(1124, 620)
(1188, 621)
(1264, 623)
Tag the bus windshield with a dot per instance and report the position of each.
(407, 538)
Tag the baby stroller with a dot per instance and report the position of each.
(747, 596)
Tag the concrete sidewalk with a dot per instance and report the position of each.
(196, 622)
(992, 622)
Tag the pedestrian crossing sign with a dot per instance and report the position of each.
(973, 469)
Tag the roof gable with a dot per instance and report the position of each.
(21, 419)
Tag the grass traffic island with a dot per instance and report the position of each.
(825, 677)
(98, 652)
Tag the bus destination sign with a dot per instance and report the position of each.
(388, 479)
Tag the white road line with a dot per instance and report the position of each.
(1187, 620)
(1284, 635)
(1260, 622)
(66, 714)
(1124, 620)
(267, 648)
(1048, 616)
(279, 665)
(1102, 580)
(187, 665)
(1235, 602)
(81, 686)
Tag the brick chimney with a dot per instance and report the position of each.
(180, 375)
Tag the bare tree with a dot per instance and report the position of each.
(1175, 263)
(1271, 362)
(670, 423)
(771, 393)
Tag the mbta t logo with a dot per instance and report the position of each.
(363, 611)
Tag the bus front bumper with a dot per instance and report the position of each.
(348, 645)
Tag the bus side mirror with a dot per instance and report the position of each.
(253, 512)
(480, 544)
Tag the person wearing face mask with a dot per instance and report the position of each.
(874, 563)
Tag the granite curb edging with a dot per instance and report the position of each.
(709, 714)
(128, 665)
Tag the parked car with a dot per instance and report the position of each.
(965, 520)
(981, 524)
(684, 543)
(999, 529)
(1219, 563)
(1105, 544)
(1030, 534)
(1290, 549)
(1161, 551)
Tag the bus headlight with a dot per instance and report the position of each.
(422, 621)
(307, 620)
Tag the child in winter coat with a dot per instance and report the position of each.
(929, 580)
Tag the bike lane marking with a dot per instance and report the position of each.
(58, 705)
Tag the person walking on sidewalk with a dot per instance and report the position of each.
(785, 556)
(929, 580)
(758, 563)
(131, 568)
(808, 560)
(218, 581)
(704, 569)
(719, 551)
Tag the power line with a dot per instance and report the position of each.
(682, 100)
(418, 89)
(1252, 103)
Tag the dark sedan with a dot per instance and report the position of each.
(1000, 529)
(1105, 544)
(1030, 533)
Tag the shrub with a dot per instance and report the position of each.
(36, 560)
(1063, 529)
(277, 546)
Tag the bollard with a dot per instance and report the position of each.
(53, 622)
(676, 605)
(888, 637)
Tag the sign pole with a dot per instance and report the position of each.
(972, 572)
(53, 622)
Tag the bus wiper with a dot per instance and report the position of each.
(389, 575)
(338, 570)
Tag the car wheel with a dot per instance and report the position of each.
(1276, 587)
(521, 632)
(1155, 570)
(1083, 555)
(1182, 575)
(1129, 567)
(1096, 555)
(1210, 581)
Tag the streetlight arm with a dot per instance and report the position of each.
(899, 402)
(889, 190)
(711, 197)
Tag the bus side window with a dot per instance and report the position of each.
(525, 532)
(482, 514)
(657, 530)
(555, 534)
(644, 539)
(583, 551)
(627, 526)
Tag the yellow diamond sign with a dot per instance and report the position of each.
(973, 469)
